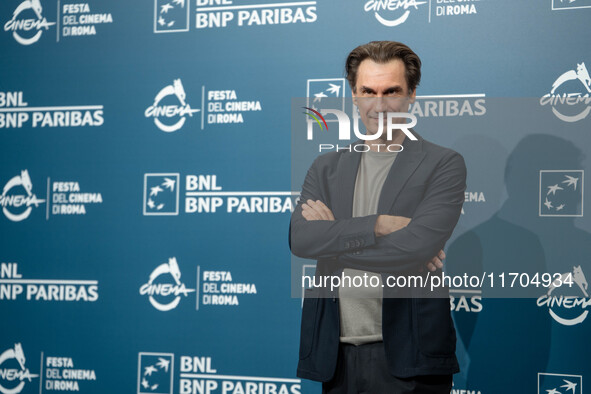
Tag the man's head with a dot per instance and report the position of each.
(383, 52)
(383, 76)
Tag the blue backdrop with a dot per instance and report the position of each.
(146, 167)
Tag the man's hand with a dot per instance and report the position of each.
(316, 210)
(435, 262)
(387, 224)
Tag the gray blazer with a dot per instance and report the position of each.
(426, 183)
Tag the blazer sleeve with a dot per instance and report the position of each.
(429, 229)
(318, 239)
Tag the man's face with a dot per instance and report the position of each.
(381, 88)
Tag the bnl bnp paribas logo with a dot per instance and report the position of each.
(196, 374)
(204, 193)
(14, 375)
(557, 383)
(155, 373)
(561, 193)
(569, 96)
(164, 287)
(558, 5)
(161, 194)
(171, 16)
(28, 23)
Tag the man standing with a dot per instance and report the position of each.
(378, 213)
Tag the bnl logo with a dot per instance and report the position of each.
(171, 16)
(155, 372)
(561, 193)
(327, 88)
(554, 383)
(161, 194)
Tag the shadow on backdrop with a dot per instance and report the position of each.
(510, 340)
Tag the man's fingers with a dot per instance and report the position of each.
(317, 210)
(309, 213)
(441, 255)
(437, 262)
(434, 263)
(321, 209)
(326, 210)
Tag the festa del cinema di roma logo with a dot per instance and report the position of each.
(392, 12)
(9, 374)
(60, 374)
(568, 310)
(562, 96)
(13, 200)
(169, 109)
(164, 284)
(27, 23)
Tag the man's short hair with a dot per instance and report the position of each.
(383, 52)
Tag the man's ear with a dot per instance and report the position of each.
(354, 96)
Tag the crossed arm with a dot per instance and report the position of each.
(382, 242)
(385, 224)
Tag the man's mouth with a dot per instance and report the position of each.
(377, 117)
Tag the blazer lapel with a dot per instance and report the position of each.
(405, 164)
(347, 169)
(403, 167)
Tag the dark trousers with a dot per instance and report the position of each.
(364, 370)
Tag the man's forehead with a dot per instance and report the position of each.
(381, 75)
(370, 68)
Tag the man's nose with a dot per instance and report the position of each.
(380, 104)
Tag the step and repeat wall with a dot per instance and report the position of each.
(145, 152)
